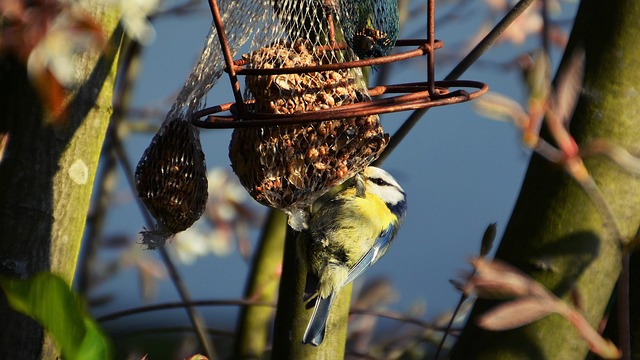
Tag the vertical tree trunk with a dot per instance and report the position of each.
(46, 178)
(555, 233)
(292, 316)
(254, 322)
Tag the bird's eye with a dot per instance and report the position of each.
(378, 181)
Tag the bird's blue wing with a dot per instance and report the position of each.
(314, 334)
(378, 249)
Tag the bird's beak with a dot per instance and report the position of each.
(360, 184)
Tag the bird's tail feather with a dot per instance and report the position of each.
(318, 322)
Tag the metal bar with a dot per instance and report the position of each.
(226, 52)
(422, 50)
(332, 30)
(431, 37)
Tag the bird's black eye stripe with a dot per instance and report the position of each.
(379, 181)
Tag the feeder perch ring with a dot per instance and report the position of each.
(414, 96)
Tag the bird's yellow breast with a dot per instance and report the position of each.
(342, 231)
(361, 221)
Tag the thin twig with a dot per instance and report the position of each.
(592, 190)
(174, 305)
(398, 317)
(170, 329)
(195, 318)
(486, 245)
(463, 298)
(247, 302)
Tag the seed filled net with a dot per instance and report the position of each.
(289, 166)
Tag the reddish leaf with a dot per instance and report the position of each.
(597, 344)
(515, 313)
(498, 280)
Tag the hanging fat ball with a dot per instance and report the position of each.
(289, 166)
(171, 180)
(370, 27)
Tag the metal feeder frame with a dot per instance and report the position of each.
(419, 95)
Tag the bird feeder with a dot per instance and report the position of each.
(304, 120)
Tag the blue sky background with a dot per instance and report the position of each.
(460, 171)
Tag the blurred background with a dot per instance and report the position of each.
(460, 171)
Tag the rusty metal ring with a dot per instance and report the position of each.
(415, 96)
(423, 45)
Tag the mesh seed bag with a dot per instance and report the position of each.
(289, 166)
(171, 175)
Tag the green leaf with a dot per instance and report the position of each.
(49, 300)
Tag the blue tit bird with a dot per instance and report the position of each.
(346, 235)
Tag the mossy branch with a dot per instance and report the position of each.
(47, 174)
(254, 322)
(557, 234)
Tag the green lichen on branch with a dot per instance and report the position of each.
(557, 234)
(47, 173)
